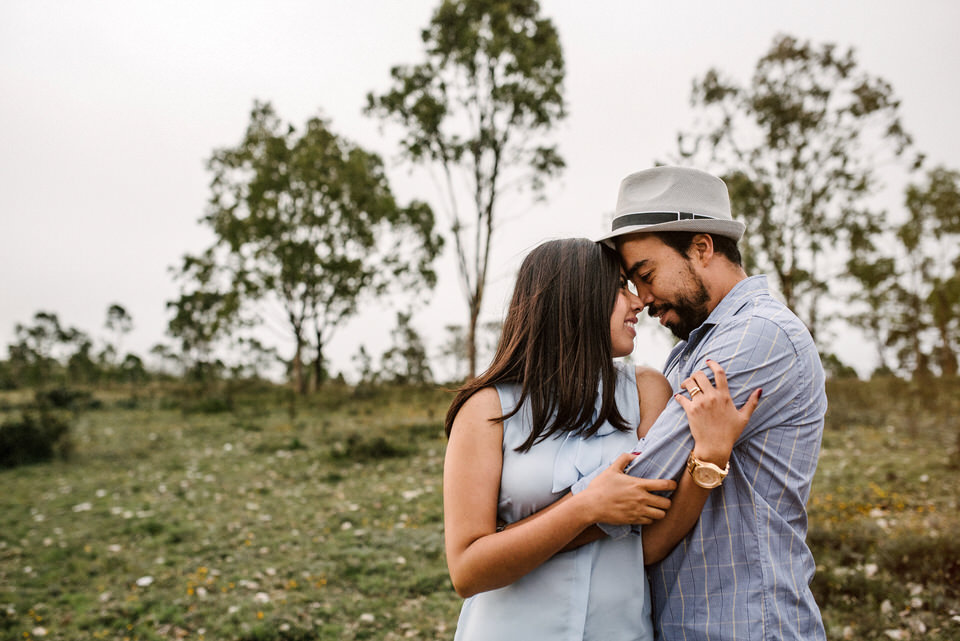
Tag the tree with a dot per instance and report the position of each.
(799, 148)
(305, 223)
(119, 323)
(478, 110)
(405, 362)
(205, 312)
(33, 357)
(913, 296)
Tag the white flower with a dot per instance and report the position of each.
(261, 597)
(82, 507)
(366, 617)
(346, 525)
(896, 635)
(886, 607)
(233, 609)
(39, 631)
(401, 561)
(870, 569)
(201, 592)
(145, 581)
(916, 603)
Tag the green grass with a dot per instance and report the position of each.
(255, 525)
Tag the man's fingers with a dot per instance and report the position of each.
(623, 460)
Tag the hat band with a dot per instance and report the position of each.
(655, 218)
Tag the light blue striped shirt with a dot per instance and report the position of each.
(743, 573)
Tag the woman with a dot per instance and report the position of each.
(552, 406)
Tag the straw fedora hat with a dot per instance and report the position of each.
(673, 199)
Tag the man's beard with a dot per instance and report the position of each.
(690, 308)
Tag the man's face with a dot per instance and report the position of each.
(667, 283)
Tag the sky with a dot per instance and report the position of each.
(110, 110)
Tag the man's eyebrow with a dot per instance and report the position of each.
(633, 268)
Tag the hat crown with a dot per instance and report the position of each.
(674, 189)
(666, 199)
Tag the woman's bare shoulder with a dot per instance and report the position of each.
(482, 407)
(653, 387)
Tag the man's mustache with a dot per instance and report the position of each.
(655, 310)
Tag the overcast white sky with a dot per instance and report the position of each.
(109, 110)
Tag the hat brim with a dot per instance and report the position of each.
(730, 228)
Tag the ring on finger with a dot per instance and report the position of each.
(695, 391)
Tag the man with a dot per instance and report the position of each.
(743, 572)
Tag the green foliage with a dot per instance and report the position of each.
(62, 397)
(305, 222)
(33, 438)
(479, 109)
(909, 299)
(799, 147)
(360, 448)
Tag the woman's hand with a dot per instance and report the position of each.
(715, 422)
(620, 499)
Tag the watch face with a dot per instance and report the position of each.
(705, 477)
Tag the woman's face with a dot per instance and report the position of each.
(624, 319)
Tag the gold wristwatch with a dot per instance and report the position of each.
(706, 475)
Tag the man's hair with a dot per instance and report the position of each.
(681, 241)
(555, 343)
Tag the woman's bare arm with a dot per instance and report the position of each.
(479, 557)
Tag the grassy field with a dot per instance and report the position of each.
(260, 524)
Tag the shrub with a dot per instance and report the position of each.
(34, 438)
(359, 449)
(66, 398)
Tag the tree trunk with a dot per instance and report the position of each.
(472, 341)
(298, 382)
(319, 371)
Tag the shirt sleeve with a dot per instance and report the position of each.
(755, 353)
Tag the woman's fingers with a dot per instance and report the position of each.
(700, 380)
(658, 485)
(748, 408)
(719, 375)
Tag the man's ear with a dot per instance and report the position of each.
(701, 249)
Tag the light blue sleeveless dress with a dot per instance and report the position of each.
(597, 592)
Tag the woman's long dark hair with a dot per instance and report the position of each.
(556, 341)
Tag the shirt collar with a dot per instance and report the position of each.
(741, 293)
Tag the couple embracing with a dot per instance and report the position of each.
(589, 499)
